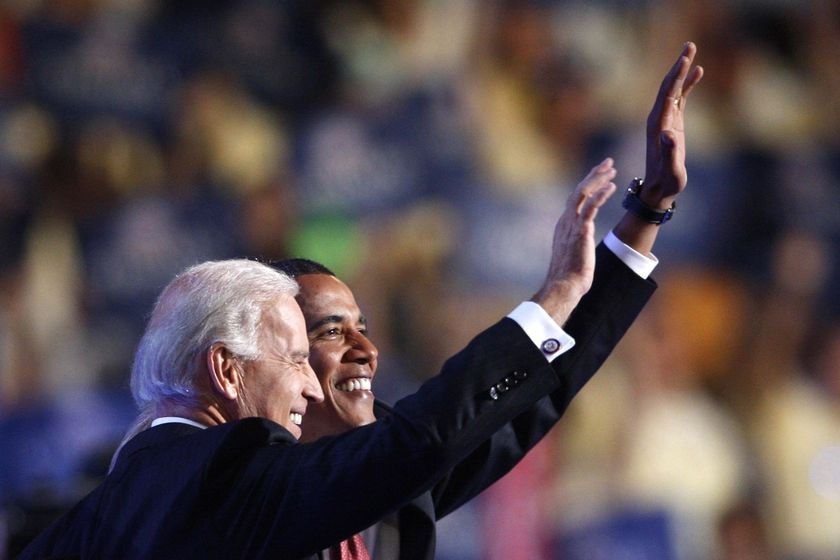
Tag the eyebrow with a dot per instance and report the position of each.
(330, 319)
(300, 355)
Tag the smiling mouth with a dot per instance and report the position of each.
(296, 417)
(355, 384)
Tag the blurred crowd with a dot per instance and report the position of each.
(423, 149)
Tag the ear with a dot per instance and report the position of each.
(222, 366)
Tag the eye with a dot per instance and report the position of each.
(332, 332)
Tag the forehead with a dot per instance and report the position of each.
(322, 294)
(283, 326)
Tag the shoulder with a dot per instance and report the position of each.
(181, 440)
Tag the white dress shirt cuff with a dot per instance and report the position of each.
(546, 334)
(637, 262)
(543, 331)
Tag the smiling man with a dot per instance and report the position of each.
(342, 355)
(212, 467)
(214, 356)
(345, 359)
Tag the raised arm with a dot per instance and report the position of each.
(614, 294)
(572, 263)
(665, 173)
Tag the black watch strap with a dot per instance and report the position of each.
(634, 204)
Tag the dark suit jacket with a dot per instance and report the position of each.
(247, 490)
(597, 324)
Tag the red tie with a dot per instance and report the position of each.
(350, 549)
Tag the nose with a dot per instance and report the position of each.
(362, 350)
(312, 388)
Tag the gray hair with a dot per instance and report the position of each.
(213, 302)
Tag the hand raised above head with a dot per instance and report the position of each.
(665, 173)
(573, 250)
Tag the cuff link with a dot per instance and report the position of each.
(550, 346)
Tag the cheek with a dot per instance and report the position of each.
(282, 391)
(326, 367)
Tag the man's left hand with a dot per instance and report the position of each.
(665, 173)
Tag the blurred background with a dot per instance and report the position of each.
(423, 149)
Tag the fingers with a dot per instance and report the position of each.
(672, 82)
(678, 82)
(595, 189)
(596, 200)
(680, 69)
(604, 168)
(691, 81)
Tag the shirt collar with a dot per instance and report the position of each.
(176, 420)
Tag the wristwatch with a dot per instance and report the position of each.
(634, 204)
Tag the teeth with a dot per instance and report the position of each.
(296, 417)
(356, 384)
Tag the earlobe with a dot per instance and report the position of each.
(222, 367)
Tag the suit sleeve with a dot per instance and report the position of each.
(245, 489)
(597, 324)
(301, 498)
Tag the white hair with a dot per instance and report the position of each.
(213, 302)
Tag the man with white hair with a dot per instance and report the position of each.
(212, 467)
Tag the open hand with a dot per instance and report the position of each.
(665, 173)
(573, 250)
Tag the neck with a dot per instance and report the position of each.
(209, 415)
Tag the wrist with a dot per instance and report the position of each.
(559, 298)
(641, 201)
(652, 200)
